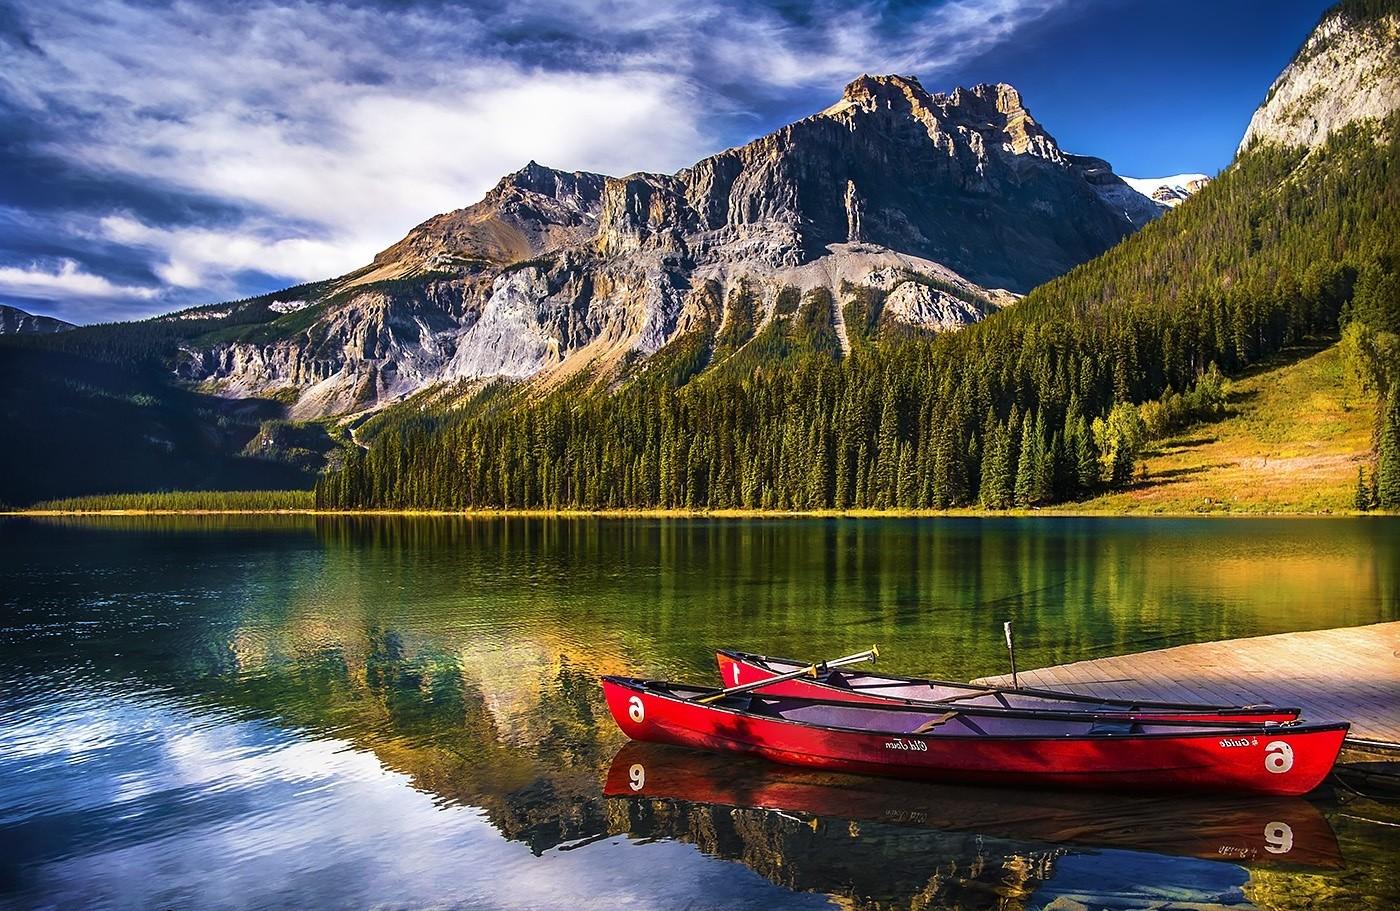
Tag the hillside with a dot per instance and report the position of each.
(1295, 432)
(79, 426)
(14, 321)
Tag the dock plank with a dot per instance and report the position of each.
(1350, 674)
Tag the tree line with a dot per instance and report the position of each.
(185, 501)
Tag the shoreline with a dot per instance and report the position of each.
(1049, 512)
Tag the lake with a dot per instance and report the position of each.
(260, 712)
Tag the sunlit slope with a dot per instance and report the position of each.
(1295, 435)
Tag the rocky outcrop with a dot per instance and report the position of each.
(1123, 197)
(367, 346)
(918, 304)
(1348, 70)
(14, 321)
(954, 193)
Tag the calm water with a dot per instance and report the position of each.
(233, 713)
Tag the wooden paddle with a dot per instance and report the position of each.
(808, 671)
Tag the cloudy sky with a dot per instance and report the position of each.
(158, 155)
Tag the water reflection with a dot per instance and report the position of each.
(361, 711)
(1254, 831)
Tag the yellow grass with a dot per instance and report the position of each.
(1292, 442)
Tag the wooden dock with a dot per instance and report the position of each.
(1350, 674)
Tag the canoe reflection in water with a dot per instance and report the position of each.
(1250, 831)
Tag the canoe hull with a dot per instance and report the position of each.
(1289, 761)
(736, 669)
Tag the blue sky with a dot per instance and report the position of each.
(159, 155)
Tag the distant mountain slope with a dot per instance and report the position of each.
(14, 321)
(74, 425)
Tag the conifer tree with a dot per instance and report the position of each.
(1087, 471)
(995, 488)
(1029, 466)
(1044, 487)
(1388, 463)
(1361, 502)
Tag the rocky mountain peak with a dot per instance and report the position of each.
(1347, 70)
(555, 270)
(1002, 98)
(886, 88)
(545, 181)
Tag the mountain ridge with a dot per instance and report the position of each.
(694, 340)
(553, 272)
(14, 321)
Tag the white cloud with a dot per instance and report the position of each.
(68, 280)
(192, 257)
(337, 128)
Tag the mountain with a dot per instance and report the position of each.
(14, 321)
(1168, 191)
(1348, 70)
(950, 203)
(1045, 401)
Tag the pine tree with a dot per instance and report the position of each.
(995, 490)
(1388, 464)
(1087, 468)
(1362, 501)
(949, 469)
(1044, 486)
(886, 453)
(1028, 466)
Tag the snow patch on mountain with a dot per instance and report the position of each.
(1169, 191)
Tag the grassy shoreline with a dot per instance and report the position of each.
(1047, 512)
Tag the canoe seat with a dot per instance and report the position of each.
(1115, 727)
(934, 722)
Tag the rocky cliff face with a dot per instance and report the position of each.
(1348, 70)
(940, 196)
(14, 321)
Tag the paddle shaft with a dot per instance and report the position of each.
(809, 670)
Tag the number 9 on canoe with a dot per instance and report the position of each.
(1278, 757)
(639, 714)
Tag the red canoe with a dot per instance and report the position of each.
(849, 685)
(938, 743)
